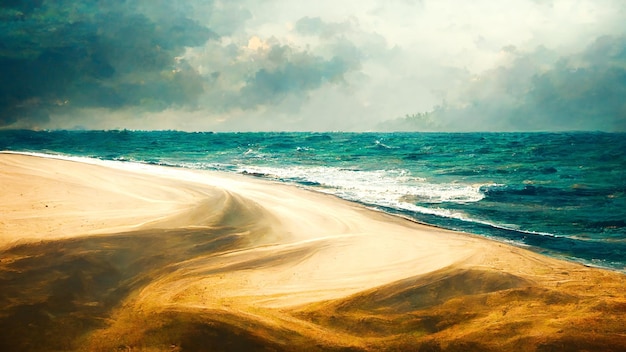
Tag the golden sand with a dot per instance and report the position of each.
(103, 256)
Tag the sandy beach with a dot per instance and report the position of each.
(102, 256)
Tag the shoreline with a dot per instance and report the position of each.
(171, 171)
(278, 264)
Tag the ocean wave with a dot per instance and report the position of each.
(382, 187)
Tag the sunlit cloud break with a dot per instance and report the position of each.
(520, 65)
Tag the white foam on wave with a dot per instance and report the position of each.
(396, 189)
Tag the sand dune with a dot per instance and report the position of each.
(111, 256)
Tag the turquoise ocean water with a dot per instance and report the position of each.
(562, 194)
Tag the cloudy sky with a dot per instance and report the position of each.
(244, 65)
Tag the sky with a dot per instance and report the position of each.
(291, 65)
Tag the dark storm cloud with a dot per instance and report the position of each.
(540, 91)
(61, 55)
(585, 92)
(289, 72)
(292, 78)
(274, 75)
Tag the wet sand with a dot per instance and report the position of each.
(110, 256)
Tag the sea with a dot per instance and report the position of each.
(560, 194)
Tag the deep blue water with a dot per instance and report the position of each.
(563, 194)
